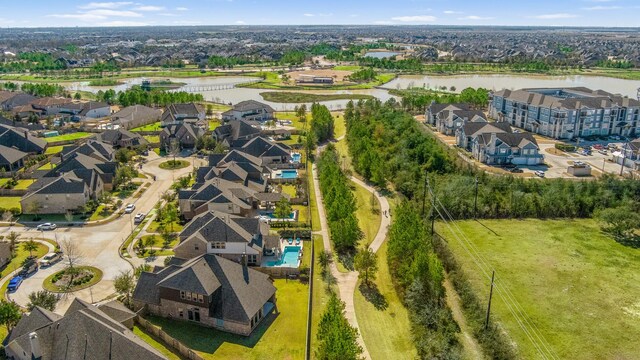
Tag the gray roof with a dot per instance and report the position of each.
(112, 137)
(236, 129)
(83, 332)
(511, 139)
(92, 148)
(9, 155)
(471, 128)
(137, 115)
(244, 290)
(260, 146)
(249, 105)
(21, 139)
(117, 311)
(215, 226)
(568, 98)
(437, 107)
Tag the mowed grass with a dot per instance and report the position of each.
(52, 150)
(320, 295)
(386, 330)
(24, 184)
(69, 137)
(149, 127)
(155, 343)
(579, 287)
(280, 338)
(10, 202)
(368, 220)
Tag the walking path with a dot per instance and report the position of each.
(347, 282)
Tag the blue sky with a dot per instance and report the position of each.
(35, 13)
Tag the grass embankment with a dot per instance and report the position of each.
(52, 150)
(155, 343)
(282, 337)
(298, 97)
(320, 295)
(68, 137)
(271, 80)
(105, 82)
(576, 284)
(368, 213)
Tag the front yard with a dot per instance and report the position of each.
(279, 337)
(68, 137)
(10, 202)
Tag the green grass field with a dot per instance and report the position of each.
(299, 97)
(47, 166)
(24, 184)
(156, 343)
(149, 127)
(52, 150)
(153, 139)
(9, 202)
(320, 295)
(579, 287)
(368, 220)
(68, 137)
(279, 338)
(383, 320)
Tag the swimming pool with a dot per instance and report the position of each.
(271, 215)
(289, 258)
(287, 174)
(296, 157)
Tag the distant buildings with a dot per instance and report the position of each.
(312, 79)
(565, 113)
(249, 110)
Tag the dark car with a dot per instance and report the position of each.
(30, 266)
(516, 170)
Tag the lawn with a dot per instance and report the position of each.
(159, 241)
(300, 97)
(153, 139)
(156, 343)
(340, 127)
(291, 116)
(149, 127)
(383, 320)
(69, 137)
(49, 285)
(52, 150)
(347, 67)
(10, 202)
(24, 184)
(100, 214)
(282, 337)
(313, 202)
(289, 190)
(368, 220)
(213, 124)
(578, 286)
(47, 166)
(320, 295)
(155, 225)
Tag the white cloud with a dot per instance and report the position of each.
(149, 8)
(182, 8)
(554, 16)
(451, 12)
(475, 17)
(116, 13)
(600, 7)
(309, 15)
(415, 18)
(79, 16)
(105, 5)
(123, 23)
(240, 22)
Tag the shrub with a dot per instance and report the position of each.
(565, 147)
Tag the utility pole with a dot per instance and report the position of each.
(426, 181)
(475, 201)
(624, 157)
(486, 323)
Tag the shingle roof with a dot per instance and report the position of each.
(473, 128)
(21, 139)
(9, 155)
(249, 105)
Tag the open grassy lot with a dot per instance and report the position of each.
(383, 320)
(9, 202)
(579, 287)
(52, 150)
(153, 139)
(368, 220)
(69, 137)
(279, 338)
(296, 123)
(299, 97)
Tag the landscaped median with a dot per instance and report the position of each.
(173, 164)
(72, 279)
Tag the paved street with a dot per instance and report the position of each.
(100, 244)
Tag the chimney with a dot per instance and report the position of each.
(26, 134)
(492, 143)
(36, 352)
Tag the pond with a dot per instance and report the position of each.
(381, 54)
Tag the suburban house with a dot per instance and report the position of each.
(249, 110)
(15, 100)
(90, 110)
(183, 135)
(629, 154)
(176, 114)
(236, 167)
(235, 133)
(21, 139)
(121, 138)
(68, 192)
(209, 290)
(447, 118)
(506, 148)
(84, 331)
(49, 105)
(11, 159)
(566, 113)
(269, 152)
(226, 235)
(135, 116)
(470, 130)
(312, 79)
(106, 170)
(5, 253)
(92, 148)
(20, 125)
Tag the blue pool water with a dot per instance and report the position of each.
(271, 215)
(288, 174)
(289, 257)
(296, 157)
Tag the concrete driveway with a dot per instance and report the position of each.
(99, 245)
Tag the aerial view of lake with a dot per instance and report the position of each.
(381, 54)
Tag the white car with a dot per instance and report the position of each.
(129, 209)
(539, 173)
(138, 218)
(50, 259)
(46, 226)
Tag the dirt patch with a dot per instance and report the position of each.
(556, 152)
(472, 349)
(337, 75)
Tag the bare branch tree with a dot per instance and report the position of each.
(71, 251)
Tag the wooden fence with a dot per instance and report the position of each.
(179, 347)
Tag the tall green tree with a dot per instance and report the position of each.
(44, 299)
(337, 340)
(124, 284)
(10, 314)
(30, 246)
(366, 263)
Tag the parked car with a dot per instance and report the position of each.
(579, 163)
(539, 173)
(50, 259)
(598, 146)
(614, 137)
(603, 152)
(138, 218)
(516, 170)
(129, 208)
(46, 226)
(29, 268)
(15, 282)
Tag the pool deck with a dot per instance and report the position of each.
(284, 243)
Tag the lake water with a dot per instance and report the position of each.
(513, 82)
(233, 95)
(381, 54)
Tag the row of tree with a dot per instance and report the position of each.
(43, 89)
(339, 201)
(137, 96)
(33, 61)
(416, 100)
(322, 123)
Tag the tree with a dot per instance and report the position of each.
(124, 285)
(68, 216)
(324, 259)
(124, 174)
(301, 112)
(140, 269)
(71, 250)
(336, 338)
(366, 263)
(10, 314)
(44, 299)
(283, 208)
(7, 216)
(13, 239)
(77, 96)
(621, 221)
(30, 246)
(34, 208)
(171, 214)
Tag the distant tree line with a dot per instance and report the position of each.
(137, 96)
(228, 62)
(391, 63)
(363, 75)
(615, 64)
(416, 100)
(43, 89)
(33, 61)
